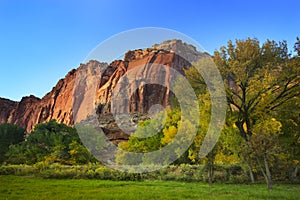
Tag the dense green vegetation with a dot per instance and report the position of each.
(50, 142)
(10, 134)
(260, 139)
(183, 172)
(12, 187)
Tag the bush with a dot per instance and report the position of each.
(18, 170)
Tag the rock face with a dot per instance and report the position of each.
(187, 51)
(103, 78)
(147, 95)
(56, 104)
(6, 108)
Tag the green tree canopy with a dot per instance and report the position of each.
(259, 79)
(50, 142)
(10, 134)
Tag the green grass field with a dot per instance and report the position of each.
(14, 187)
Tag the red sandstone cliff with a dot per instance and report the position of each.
(58, 104)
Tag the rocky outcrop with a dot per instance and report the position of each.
(147, 95)
(186, 51)
(6, 108)
(103, 78)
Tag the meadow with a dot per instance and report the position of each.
(27, 187)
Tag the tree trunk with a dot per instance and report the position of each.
(294, 175)
(241, 129)
(251, 174)
(210, 165)
(250, 167)
(268, 174)
(210, 175)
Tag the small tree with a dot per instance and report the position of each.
(262, 147)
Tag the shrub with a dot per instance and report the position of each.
(19, 170)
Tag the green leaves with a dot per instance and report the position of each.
(10, 134)
(51, 142)
(259, 79)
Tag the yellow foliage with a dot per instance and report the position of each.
(124, 145)
(169, 134)
(73, 152)
(234, 126)
(245, 127)
(223, 159)
(193, 155)
(268, 126)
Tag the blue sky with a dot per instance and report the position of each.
(42, 40)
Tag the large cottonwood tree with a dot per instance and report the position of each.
(259, 80)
